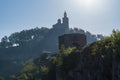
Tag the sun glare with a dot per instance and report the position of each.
(89, 5)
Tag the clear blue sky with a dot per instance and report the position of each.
(95, 16)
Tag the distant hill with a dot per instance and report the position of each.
(29, 43)
(21, 46)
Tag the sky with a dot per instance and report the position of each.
(96, 16)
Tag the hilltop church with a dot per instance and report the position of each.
(67, 39)
(62, 25)
(60, 35)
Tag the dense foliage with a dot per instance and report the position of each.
(24, 37)
(90, 62)
(37, 69)
(1, 78)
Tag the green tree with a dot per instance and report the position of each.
(5, 42)
(1, 78)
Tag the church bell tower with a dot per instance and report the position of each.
(66, 21)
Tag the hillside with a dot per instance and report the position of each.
(21, 46)
(97, 61)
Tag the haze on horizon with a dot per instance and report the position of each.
(96, 16)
